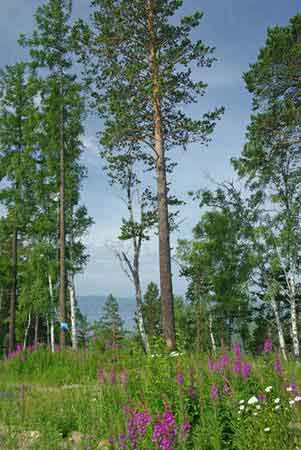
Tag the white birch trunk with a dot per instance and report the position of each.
(73, 311)
(295, 337)
(52, 339)
(27, 331)
(212, 338)
(282, 344)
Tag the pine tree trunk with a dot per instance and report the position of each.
(13, 294)
(52, 338)
(166, 292)
(211, 334)
(279, 328)
(62, 290)
(73, 311)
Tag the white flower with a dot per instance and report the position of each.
(255, 413)
(172, 354)
(252, 400)
(291, 402)
(267, 429)
(241, 402)
(289, 389)
(297, 399)
(242, 407)
(277, 400)
(258, 407)
(268, 389)
(277, 407)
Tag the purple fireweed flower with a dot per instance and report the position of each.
(214, 394)
(165, 431)
(112, 377)
(185, 428)
(210, 364)
(101, 376)
(268, 346)
(124, 377)
(237, 366)
(180, 378)
(123, 439)
(137, 425)
(227, 389)
(277, 366)
(261, 397)
(245, 370)
(224, 360)
(237, 350)
(294, 388)
(191, 392)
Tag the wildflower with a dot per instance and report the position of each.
(180, 378)
(289, 389)
(258, 407)
(291, 402)
(112, 377)
(242, 407)
(101, 376)
(214, 394)
(245, 370)
(227, 389)
(261, 397)
(277, 407)
(268, 346)
(185, 428)
(210, 365)
(277, 366)
(124, 377)
(252, 400)
(277, 400)
(268, 388)
(267, 429)
(173, 354)
(255, 413)
(165, 431)
(297, 399)
(237, 350)
(241, 402)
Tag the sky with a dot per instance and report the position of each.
(237, 28)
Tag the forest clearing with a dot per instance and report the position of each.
(111, 111)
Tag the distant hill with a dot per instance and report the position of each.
(92, 307)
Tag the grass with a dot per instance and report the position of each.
(123, 399)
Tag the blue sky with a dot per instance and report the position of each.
(237, 28)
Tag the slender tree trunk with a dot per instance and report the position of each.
(13, 294)
(167, 306)
(294, 326)
(27, 331)
(211, 334)
(198, 325)
(140, 320)
(52, 338)
(73, 311)
(36, 330)
(62, 291)
(279, 328)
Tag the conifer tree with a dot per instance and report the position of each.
(141, 68)
(18, 128)
(111, 322)
(62, 104)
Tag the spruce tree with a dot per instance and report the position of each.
(111, 322)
